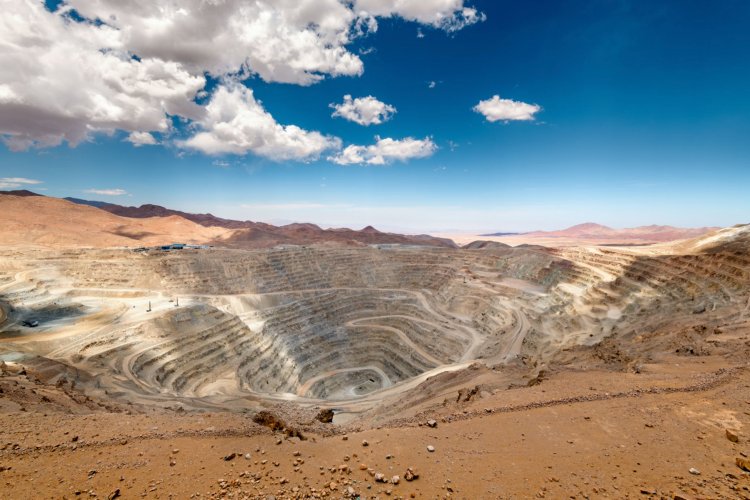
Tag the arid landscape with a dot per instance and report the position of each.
(587, 234)
(374, 249)
(402, 367)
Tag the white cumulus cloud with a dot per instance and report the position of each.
(62, 80)
(497, 109)
(16, 182)
(384, 151)
(363, 110)
(291, 41)
(107, 192)
(450, 15)
(136, 65)
(141, 139)
(236, 123)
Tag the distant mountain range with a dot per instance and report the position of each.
(501, 234)
(46, 219)
(591, 231)
(40, 219)
(251, 233)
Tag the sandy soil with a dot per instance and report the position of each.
(581, 435)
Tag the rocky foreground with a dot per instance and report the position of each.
(676, 430)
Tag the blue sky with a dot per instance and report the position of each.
(645, 118)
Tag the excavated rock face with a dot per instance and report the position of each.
(336, 324)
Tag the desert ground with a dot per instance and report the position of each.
(374, 371)
(588, 233)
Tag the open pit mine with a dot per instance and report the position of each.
(347, 328)
(400, 336)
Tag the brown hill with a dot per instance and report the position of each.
(729, 239)
(39, 220)
(484, 244)
(251, 234)
(593, 231)
(44, 221)
(589, 234)
(150, 210)
(19, 192)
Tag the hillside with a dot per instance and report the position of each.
(590, 233)
(258, 234)
(33, 219)
(653, 233)
(53, 222)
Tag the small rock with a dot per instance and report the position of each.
(345, 438)
(395, 480)
(362, 466)
(694, 471)
(430, 448)
(229, 457)
(248, 456)
(733, 437)
(351, 492)
(365, 443)
(325, 416)
(743, 463)
(379, 477)
(432, 423)
(411, 474)
(114, 494)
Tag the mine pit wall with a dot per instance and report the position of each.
(649, 293)
(228, 272)
(310, 336)
(325, 321)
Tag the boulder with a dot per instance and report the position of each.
(325, 415)
(733, 437)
